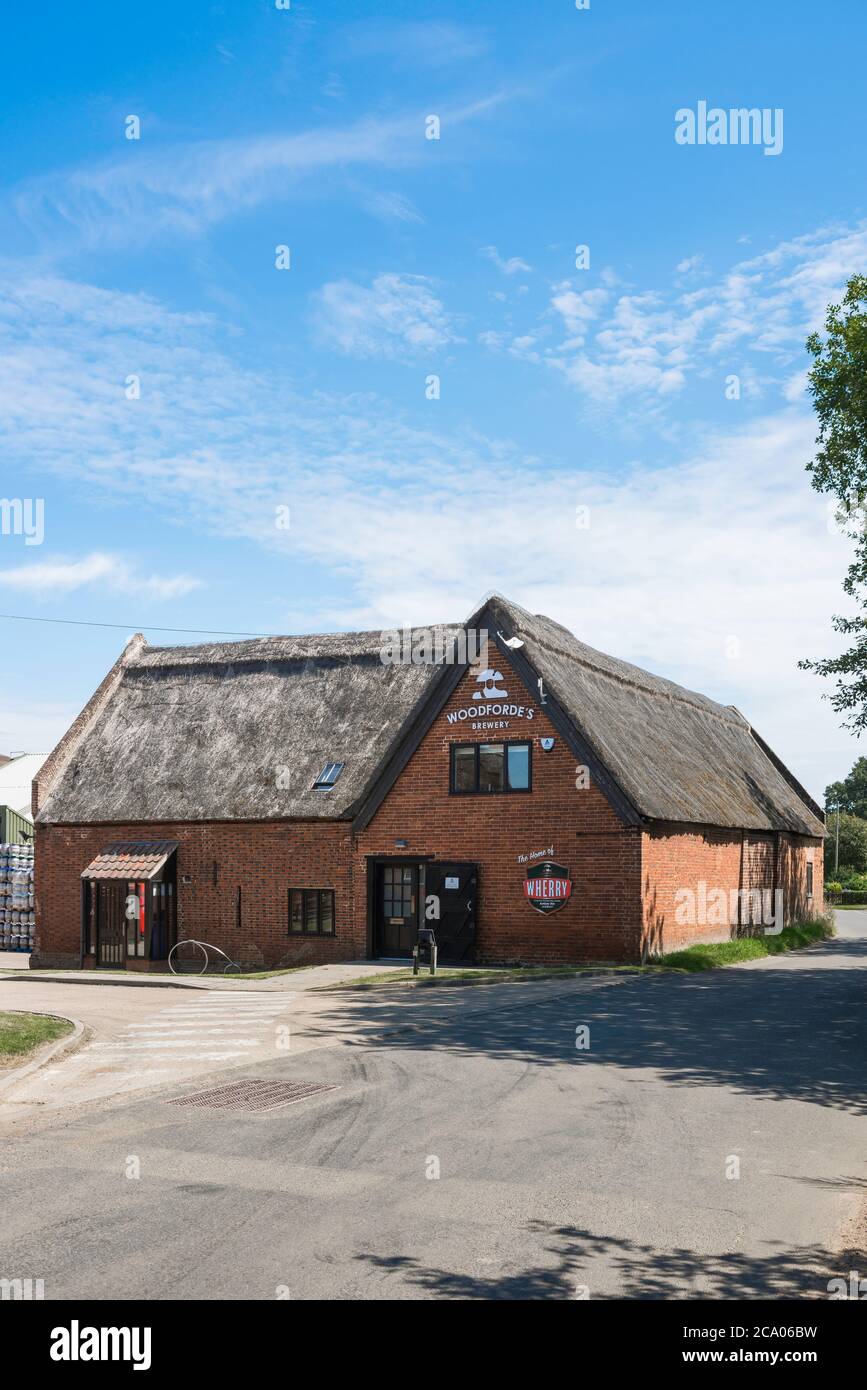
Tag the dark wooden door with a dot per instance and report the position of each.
(450, 890)
(396, 909)
(111, 923)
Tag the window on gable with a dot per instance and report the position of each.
(490, 767)
(328, 776)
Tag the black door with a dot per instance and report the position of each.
(396, 909)
(450, 890)
(111, 922)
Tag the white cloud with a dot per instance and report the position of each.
(513, 265)
(578, 309)
(636, 348)
(181, 189)
(63, 576)
(417, 521)
(391, 207)
(398, 316)
(33, 725)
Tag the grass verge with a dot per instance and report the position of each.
(702, 957)
(21, 1034)
(718, 953)
(446, 975)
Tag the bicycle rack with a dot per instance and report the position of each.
(204, 946)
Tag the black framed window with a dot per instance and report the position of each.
(809, 880)
(311, 911)
(491, 767)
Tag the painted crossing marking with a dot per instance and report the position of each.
(207, 1030)
(138, 1047)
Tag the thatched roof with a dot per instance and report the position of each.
(238, 730)
(677, 755)
(241, 730)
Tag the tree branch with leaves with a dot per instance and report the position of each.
(838, 385)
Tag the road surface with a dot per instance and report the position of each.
(710, 1141)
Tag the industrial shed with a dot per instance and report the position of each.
(319, 798)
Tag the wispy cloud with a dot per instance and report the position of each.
(397, 316)
(408, 514)
(390, 206)
(420, 43)
(65, 576)
(512, 265)
(182, 189)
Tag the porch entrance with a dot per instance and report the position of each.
(128, 904)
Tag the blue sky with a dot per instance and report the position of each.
(702, 554)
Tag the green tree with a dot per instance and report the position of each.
(850, 794)
(853, 842)
(838, 385)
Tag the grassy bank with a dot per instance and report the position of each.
(712, 956)
(21, 1034)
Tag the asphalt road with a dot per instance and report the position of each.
(560, 1169)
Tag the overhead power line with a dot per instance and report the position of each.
(132, 627)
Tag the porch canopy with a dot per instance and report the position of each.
(141, 860)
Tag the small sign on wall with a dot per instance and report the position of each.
(453, 883)
(547, 887)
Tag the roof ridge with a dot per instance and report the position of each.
(364, 641)
(673, 692)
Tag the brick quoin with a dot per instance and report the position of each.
(625, 878)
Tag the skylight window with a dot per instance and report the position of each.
(327, 777)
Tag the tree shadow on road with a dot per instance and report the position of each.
(786, 1031)
(634, 1271)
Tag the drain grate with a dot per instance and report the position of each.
(253, 1095)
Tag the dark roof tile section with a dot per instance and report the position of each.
(138, 859)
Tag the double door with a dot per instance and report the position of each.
(441, 895)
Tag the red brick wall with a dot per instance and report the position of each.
(263, 859)
(624, 879)
(796, 852)
(601, 920)
(674, 858)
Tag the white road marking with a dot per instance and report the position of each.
(180, 1030)
(187, 1035)
(136, 1047)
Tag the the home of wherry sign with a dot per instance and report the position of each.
(547, 886)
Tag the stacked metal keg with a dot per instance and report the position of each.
(17, 903)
